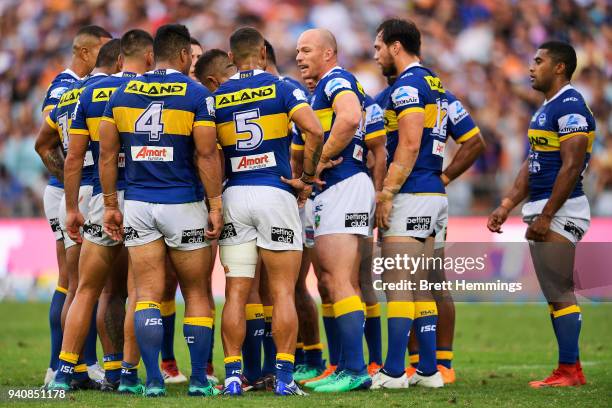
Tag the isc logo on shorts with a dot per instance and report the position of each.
(253, 162)
(130, 233)
(356, 220)
(284, 235)
(152, 153)
(418, 223)
(93, 230)
(194, 236)
(228, 231)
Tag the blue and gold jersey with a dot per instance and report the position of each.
(460, 125)
(155, 115)
(334, 83)
(59, 85)
(390, 119)
(418, 89)
(86, 121)
(564, 116)
(253, 111)
(60, 119)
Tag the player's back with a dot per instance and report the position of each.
(418, 89)
(155, 114)
(253, 110)
(58, 86)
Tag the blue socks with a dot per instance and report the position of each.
(425, 322)
(373, 334)
(269, 347)
(567, 323)
(399, 321)
(112, 367)
(55, 323)
(350, 320)
(149, 335)
(198, 333)
(331, 332)
(284, 367)
(91, 341)
(251, 348)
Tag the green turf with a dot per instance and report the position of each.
(498, 349)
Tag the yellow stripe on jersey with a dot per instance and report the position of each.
(431, 115)
(156, 88)
(390, 120)
(80, 131)
(93, 124)
(410, 110)
(205, 123)
(50, 122)
(247, 95)
(102, 94)
(342, 93)
(543, 140)
(468, 135)
(176, 122)
(374, 135)
(273, 127)
(297, 146)
(48, 108)
(325, 117)
(590, 135)
(295, 108)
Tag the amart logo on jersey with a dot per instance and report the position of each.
(152, 153)
(253, 162)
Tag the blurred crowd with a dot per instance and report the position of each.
(480, 48)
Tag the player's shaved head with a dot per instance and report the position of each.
(246, 42)
(89, 35)
(213, 68)
(135, 42)
(317, 53)
(109, 54)
(321, 37)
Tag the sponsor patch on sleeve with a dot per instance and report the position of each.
(405, 95)
(299, 95)
(456, 112)
(374, 114)
(210, 106)
(57, 92)
(335, 84)
(573, 122)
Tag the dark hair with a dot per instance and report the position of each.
(204, 64)
(108, 54)
(169, 40)
(562, 52)
(270, 54)
(194, 41)
(244, 41)
(135, 41)
(94, 31)
(404, 31)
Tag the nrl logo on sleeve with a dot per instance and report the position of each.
(156, 88)
(284, 235)
(102, 94)
(405, 95)
(152, 153)
(245, 96)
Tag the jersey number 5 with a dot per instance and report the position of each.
(244, 123)
(150, 121)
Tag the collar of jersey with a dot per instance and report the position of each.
(330, 71)
(71, 73)
(255, 72)
(412, 65)
(565, 88)
(98, 74)
(122, 73)
(168, 71)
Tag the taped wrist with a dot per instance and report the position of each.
(110, 200)
(215, 204)
(396, 176)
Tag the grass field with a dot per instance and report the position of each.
(498, 349)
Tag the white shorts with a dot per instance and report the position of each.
(267, 214)
(571, 221)
(182, 225)
(84, 199)
(346, 207)
(440, 239)
(417, 216)
(93, 230)
(51, 203)
(307, 219)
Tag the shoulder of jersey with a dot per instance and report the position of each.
(337, 79)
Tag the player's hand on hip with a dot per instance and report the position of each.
(113, 223)
(302, 189)
(496, 219)
(74, 223)
(383, 210)
(539, 228)
(215, 224)
(322, 166)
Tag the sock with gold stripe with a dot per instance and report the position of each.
(269, 348)
(413, 357)
(65, 370)
(444, 356)
(198, 332)
(112, 367)
(251, 347)
(284, 367)
(350, 319)
(299, 353)
(313, 355)
(129, 373)
(149, 336)
(399, 320)
(233, 367)
(425, 322)
(373, 336)
(80, 371)
(168, 314)
(55, 323)
(567, 323)
(331, 332)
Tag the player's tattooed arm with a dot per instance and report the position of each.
(307, 121)
(48, 147)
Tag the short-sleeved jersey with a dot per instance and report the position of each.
(564, 116)
(417, 89)
(460, 125)
(58, 86)
(60, 119)
(334, 83)
(253, 110)
(155, 115)
(86, 121)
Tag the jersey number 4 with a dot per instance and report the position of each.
(150, 121)
(245, 123)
